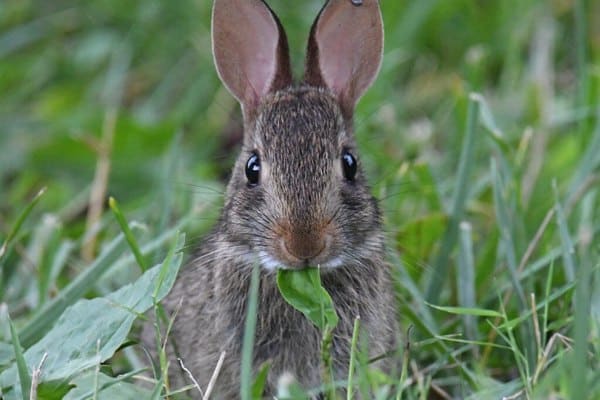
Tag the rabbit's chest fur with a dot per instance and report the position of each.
(213, 294)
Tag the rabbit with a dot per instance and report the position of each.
(297, 197)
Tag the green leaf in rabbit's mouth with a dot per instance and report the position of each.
(302, 289)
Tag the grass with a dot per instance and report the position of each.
(481, 137)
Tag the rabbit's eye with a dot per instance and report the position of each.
(253, 169)
(348, 165)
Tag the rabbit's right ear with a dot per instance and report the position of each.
(345, 48)
(250, 50)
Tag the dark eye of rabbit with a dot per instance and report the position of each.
(348, 165)
(253, 169)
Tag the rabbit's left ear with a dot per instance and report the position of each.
(250, 50)
(345, 49)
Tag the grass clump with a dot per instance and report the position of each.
(481, 136)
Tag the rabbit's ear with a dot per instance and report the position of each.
(345, 49)
(250, 50)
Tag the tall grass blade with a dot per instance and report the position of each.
(588, 164)
(441, 262)
(249, 331)
(349, 387)
(166, 192)
(19, 222)
(465, 279)
(135, 248)
(567, 246)
(505, 227)
(580, 383)
(22, 370)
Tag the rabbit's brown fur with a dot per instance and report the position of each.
(303, 212)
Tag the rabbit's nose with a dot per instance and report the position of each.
(304, 245)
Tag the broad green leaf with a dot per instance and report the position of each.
(54, 390)
(480, 312)
(7, 354)
(23, 371)
(90, 331)
(302, 289)
(48, 314)
(108, 388)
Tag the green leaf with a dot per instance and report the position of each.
(135, 248)
(48, 314)
(480, 312)
(7, 353)
(90, 331)
(19, 222)
(258, 387)
(302, 289)
(21, 366)
(108, 388)
(54, 390)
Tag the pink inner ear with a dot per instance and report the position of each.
(259, 50)
(245, 42)
(350, 42)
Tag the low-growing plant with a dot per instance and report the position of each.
(483, 131)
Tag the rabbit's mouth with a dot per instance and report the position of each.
(271, 263)
(298, 255)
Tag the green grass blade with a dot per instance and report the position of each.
(19, 222)
(582, 325)
(114, 206)
(7, 244)
(465, 278)
(167, 192)
(567, 246)
(47, 315)
(441, 262)
(249, 330)
(22, 369)
(349, 387)
(479, 312)
(505, 227)
(588, 164)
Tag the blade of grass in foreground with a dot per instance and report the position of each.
(6, 245)
(20, 220)
(22, 369)
(465, 278)
(441, 263)
(249, 330)
(135, 248)
(579, 387)
(352, 358)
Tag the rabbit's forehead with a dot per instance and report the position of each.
(299, 121)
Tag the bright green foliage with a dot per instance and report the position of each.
(303, 290)
(90, 331)
(492, 217)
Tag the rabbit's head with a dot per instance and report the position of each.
(297, 196)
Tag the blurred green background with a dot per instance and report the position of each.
(120, 98)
